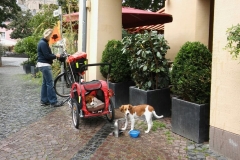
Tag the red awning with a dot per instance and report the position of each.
(133, 17)
(71, 17)
(157, 27)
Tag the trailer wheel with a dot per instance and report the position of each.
(75, 114)
(111, 115)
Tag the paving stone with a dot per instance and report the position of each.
(191, 147)
(30, 131)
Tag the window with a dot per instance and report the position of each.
(34, 12)
(40, 6)
(2, 35)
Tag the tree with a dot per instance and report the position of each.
(69, 6)
(20, 25)
(8, 10)
(43, 19)
(152, 5)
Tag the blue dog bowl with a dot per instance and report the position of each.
(134, 133)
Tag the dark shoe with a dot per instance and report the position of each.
(58, 104)
(45, 103)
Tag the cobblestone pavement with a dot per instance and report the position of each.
(30, 131)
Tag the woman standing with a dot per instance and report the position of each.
(45, 59)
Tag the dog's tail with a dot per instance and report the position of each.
(156, 116)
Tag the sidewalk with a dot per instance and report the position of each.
(29, 131)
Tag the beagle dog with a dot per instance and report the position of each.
(90, 101)
(137, 111)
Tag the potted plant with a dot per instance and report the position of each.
(120, 75)
(28, 45)
(1, 53)
(191, 83)
(150, 70)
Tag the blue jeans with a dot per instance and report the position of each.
(48, 93)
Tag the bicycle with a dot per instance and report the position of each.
(64, 81)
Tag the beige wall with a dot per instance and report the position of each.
(103, 24)
(190, 23)
(225, 92)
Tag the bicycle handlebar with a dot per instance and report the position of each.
(58, 46)
(97, 64)
(63, 56)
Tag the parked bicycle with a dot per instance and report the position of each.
(64, 81)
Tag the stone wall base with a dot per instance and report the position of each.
(225, 143)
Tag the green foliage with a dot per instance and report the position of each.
(1, 50)
(153, 5)
(120, 70)
(233, 40)
(69, 6)
(148, 64)
(43, 19)
(124, 33)
(191, 73)
(20, 25)
(71, 39)
(8, 10)
(69, 29)
(19, 47)
(157, 125)
(28, 45)
(56, 68)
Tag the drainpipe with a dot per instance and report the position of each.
(83, 22)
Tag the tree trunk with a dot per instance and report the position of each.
(0, 61)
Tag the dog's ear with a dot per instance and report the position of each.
(130, 107)
(87, 99)
(121, 108)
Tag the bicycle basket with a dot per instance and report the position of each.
(77, 66)
(77, 60)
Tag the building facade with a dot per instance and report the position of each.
(5, 39)
(207, 21)
(34, 5)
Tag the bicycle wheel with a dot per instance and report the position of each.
(63, 84)
(111, 115)
(75, 114)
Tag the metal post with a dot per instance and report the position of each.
(60, 49)
(83, 22)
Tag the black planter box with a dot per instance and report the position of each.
(190, 120)
(159, 99)
(34, 70)
(27, 68)
(121, 91)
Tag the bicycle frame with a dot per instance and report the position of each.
(66, 78)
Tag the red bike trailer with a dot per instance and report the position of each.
(97, 88)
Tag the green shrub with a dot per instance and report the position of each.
(120, 71)
(233, 41)
(191, 73)
(28, 45)
(147, 61)
(19, 47)
(1, 50)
